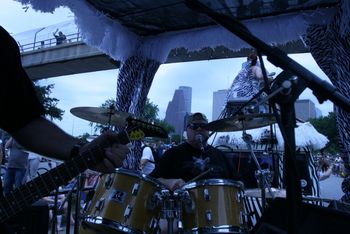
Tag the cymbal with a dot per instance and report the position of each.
(241, 122)
(101, 115)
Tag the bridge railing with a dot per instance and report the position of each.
(41, 44)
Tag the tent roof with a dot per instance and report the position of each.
(168, 30)
(149, 18)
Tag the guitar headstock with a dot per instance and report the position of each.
(139, 129)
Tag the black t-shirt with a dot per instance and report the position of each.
(186, 162)
(18, 100)
(19, 103)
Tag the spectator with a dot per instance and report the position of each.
(33, 165)
(16, 166)
(147, 159)
(60, 38)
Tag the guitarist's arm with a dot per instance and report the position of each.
(44, 137)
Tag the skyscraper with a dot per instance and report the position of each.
(305, 109)
(219, 99)
(178, 107)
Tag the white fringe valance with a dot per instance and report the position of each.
(112, 38)
(305, 136)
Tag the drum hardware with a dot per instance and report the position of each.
(154, 201)
(260, 174)
(169, 209)
(206, 195)
(80, 185)
(208, 216)
(127, 212)
(185, 200)
(108, 182)
(135, 189)
(100, 204)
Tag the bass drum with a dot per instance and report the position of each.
(125, 202)
(213, 206)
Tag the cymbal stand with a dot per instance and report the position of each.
(80, 185)
(260, 173)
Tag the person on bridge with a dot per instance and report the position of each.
(23, 118)
(60, 38)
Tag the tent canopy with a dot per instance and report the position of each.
(169, 30)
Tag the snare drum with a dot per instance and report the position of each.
(125, 202)
(213, 206)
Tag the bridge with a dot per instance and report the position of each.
(45, 59)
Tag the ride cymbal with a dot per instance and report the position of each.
(240, 122)
(101, 115)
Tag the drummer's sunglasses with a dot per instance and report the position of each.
(196, 126)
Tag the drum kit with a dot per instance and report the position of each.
(128, 201)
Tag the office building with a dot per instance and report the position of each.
(305, 109)
(178, 108)
(219, 100)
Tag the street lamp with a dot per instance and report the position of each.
(35, 36)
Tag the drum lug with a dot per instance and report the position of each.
(206, 195)
(135, 189)
(238, 197)
(188, 202)
(100, 204)
(127, 212)
(153, 223)
(208, 216)
(108, 182)
(180, 225)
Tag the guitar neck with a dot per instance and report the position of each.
(43, 185)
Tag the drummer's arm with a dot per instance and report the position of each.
(172, 184)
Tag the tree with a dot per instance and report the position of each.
(150, 112)
(327, 126)
(49, 103)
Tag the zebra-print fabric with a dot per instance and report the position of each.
(134, 81)
(330, 48)
(244, 84)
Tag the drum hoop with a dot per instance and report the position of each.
(225, 182)
(152, 180)
(128, 172)
(218, 229)
(140, 176)
(113, 225)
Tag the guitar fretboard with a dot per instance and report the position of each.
(43, 185)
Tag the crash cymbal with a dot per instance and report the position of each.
(101, 115)
(241, 122)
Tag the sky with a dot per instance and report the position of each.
(92, 89)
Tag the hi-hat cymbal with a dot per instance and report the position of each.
(101, 115)
(241, 122)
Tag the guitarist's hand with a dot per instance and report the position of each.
(110, 149)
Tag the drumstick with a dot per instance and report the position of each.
(200, 175)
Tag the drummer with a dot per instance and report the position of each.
(193, 159)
